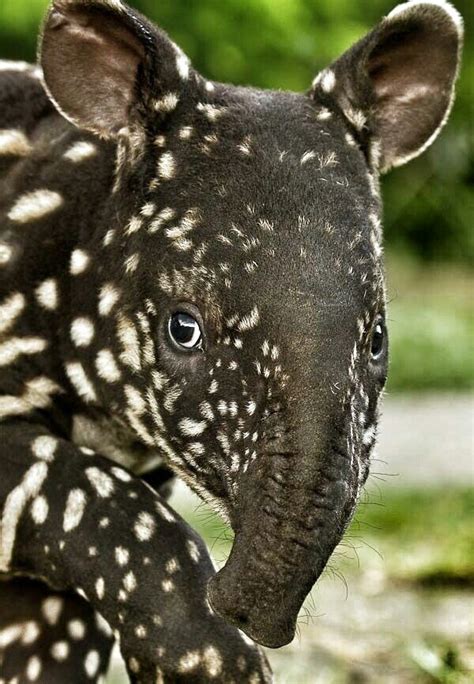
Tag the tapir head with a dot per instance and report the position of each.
(240, 278)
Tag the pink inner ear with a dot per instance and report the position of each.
(90, 64)
(412, 71)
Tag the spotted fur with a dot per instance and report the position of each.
(132, 189)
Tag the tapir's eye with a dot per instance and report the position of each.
(378, 339)
(184, 330)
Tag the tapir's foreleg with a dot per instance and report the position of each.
(50, 637)
(77, 521)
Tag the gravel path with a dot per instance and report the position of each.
(428, 439)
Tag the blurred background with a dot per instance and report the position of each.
(396, 604)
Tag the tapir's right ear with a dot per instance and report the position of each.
(105, 66)
(396, 85)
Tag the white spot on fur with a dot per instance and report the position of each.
(60, 651)
(165, 513)
(107, 367)
(79, 261)
(212, 661)
(92, 663)
(131, 263)
(108, 237)
(166, 166)
(128, 337)
(80, 151)
(250, 407)
(108, 297)
(30, 633)
(245, 146)
(185, 132)
(33, 668)
(47, 294)
(122, 555)
(39, 510)
(210, 111)
(82, 331)
(167, 585)
(35, 205)
(74, 510)
(350, 140)
(166, 103)
(135, 400)
(100, 588)
(144, 527)
(76, 629)
(10, 309)
(249, 322)
(15, 347)
(14, 142)
(100, 481)
(51, 609)
(6, 253)
(182, 64)
(80, 381)
(121, 475)
(193, 551)
(307, 156)
(165, 214)
(189, 661)
(44, 447)
(172, 566)
(130, 582)
(9, 635)
(324, 114)
(357, 118)
(37, 394)
(133, 225)
(192, 428)
(326, 80)
(14, 506)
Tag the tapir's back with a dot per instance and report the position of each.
(52, 180)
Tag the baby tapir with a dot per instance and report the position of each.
(191, 284)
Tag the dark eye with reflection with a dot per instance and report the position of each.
(185, 331)
(378, 340)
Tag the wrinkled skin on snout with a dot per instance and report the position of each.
(257, 216)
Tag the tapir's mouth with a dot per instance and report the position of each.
(266, 630)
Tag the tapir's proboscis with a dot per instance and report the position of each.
(191, 285)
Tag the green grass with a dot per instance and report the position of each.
(425, 535)
(431, 327)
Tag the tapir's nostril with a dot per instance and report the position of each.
(241, 619)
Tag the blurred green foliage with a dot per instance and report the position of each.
(431, 325)
(438, 553)
(283, 44)
(424, 535)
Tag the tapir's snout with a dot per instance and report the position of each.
(293, 511)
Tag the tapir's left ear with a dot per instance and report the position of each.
(106, 67)
(396, 85)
